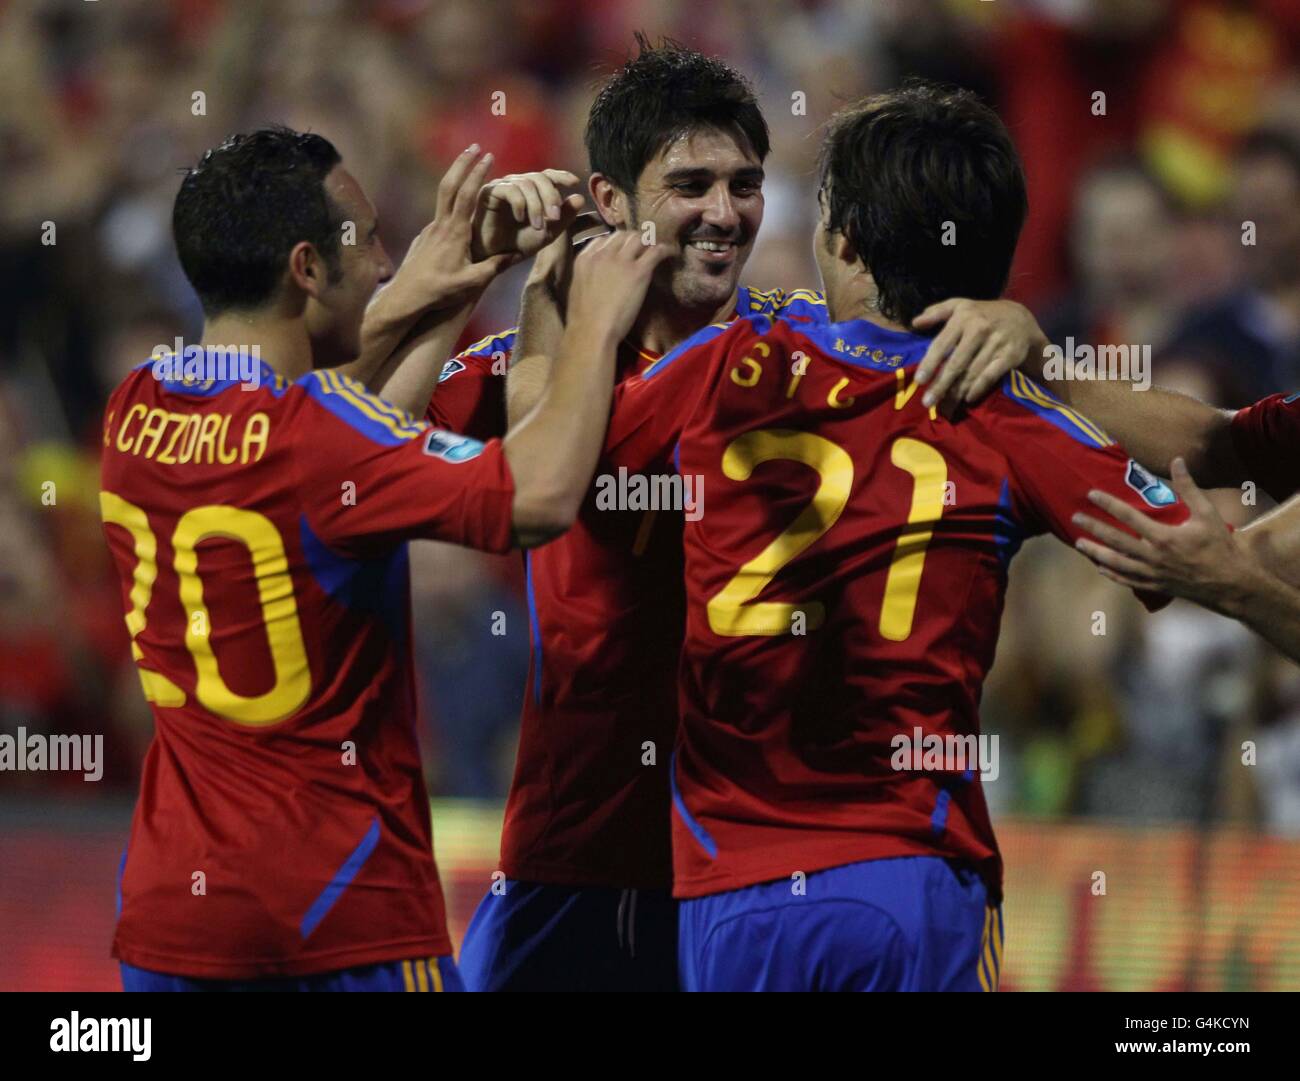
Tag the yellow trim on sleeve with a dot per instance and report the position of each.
(402, 431)
(1027, 390)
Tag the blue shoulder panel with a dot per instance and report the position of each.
(761, 324)
(799, 305)
(364, 412)
(1026, 393)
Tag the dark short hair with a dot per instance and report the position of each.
(662, 93)
(241, 210)
(898, 167)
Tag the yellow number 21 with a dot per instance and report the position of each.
(734, 612)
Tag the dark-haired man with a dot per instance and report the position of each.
(676, 143)
(257, 502)
(845, 581)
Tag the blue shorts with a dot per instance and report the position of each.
(571, 938)
(910, 924)
(424, 974)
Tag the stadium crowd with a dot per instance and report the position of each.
(1151, 131)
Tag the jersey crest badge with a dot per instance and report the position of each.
(1154, 491)
(451, 447)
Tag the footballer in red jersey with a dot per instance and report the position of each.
(1250, 574)
(257, 512)
(845, 579)
(586, 843)
(283, 827)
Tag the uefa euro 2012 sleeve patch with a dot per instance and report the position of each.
(450, 368)
(1154, 491)
(451, 447)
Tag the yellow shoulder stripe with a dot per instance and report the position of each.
(1027, 390)
(399, 415)
(483, 343)
(377, 410)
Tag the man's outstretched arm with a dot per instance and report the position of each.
(1246, 575)
(1154, 424)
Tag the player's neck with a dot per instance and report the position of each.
(855, 296)
(661, 328)
(282, 344)
(866, 312)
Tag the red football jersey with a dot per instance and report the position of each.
(1266, 437)
(283, 825)
(845, 573)
(589, 803)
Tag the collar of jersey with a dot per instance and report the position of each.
(901, 349)
(268, 378)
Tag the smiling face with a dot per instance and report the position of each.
(704, 191)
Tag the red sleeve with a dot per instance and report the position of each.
(1266, 437)
(372, 476)
(651, 409)
(1057, 456)
(470, 397)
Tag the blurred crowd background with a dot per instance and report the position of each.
(1135, 237)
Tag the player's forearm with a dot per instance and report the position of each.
(410, 375)
(540, 330)
(1155, 425)
(1274, 541)
(553, 452)
(390, 318)
(1267, 605)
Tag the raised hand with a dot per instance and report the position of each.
(440, 270)
(523, 212)
(610, 278)
(980, 342)
(1199, 559)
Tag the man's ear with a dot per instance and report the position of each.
(307, 270)
(845, 250)
(609, 200)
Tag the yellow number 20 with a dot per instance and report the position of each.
(275, 595)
